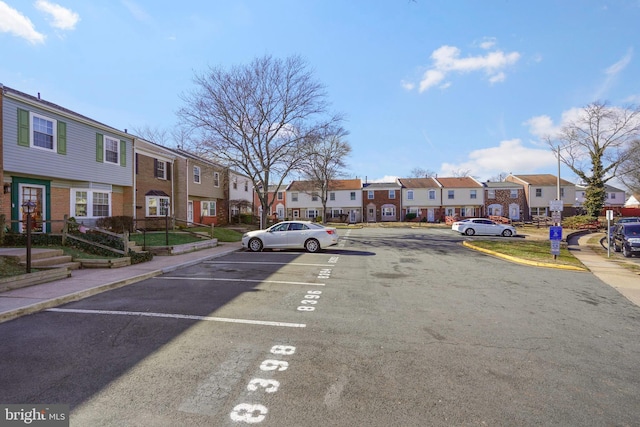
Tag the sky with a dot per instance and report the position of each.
(448, 86)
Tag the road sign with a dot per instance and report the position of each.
(556, 205)
(555, 247)
(609, 215)
(556, 217)
(555, 233)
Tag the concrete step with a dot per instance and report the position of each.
(20, 254)
(52, 260)
(71, 265)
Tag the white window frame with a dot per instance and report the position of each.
(514, 194)
(216, 179)
(432, 194)
(387, 211)
(197, 178)
(32, 130)
(294, 197)
(161, 169)
(538, 192)
(89, 202)
(491, 194)
(451, 194)
(108, 140)
(246, 186)
(206, 206)
(332, 196)
(353, 195)
(370, 194)
(409, 194)
(156, 202)
(392, 194)
(280, 196)
(312, 211)
(314, 197)
(473, 194)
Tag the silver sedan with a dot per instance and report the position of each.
(291, 235)
(473, 226)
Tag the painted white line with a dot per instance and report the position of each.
(180, 316)
(264, 263)
(238, 280)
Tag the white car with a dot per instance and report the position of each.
(291, 235)
(473, 226)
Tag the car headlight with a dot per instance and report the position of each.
(634, 240)
(245, 235)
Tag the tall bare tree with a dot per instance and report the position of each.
(258, 117)
(595, 145)
(419, 172)
(629, 172)
(325, 161)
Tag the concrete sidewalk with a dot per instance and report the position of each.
(86, 282)
(608, 270)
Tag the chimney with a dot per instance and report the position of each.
(38, 95)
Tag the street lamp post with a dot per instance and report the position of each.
(29, 205)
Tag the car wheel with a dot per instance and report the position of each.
(507, 233)
(626, 252)
(312, 245)
(255, 245)
(469, 231)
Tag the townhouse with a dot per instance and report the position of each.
(276, 196)
(241, 193)
(462, 197)
(382, 201)
(541, 189)
(344, 200)
(421, 199)
(504, 199)
(614, 198)
(65, 163)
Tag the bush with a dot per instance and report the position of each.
(410, 216)
(577, 221)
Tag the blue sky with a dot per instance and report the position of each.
(442, 85)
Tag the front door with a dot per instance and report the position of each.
(190, 211)
(36, 194)
(430, 215)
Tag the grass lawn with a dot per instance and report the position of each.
(531, 250)
(159, 238)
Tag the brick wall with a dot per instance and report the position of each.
(380, 198)
(146, 181)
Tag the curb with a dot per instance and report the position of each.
(523, 261)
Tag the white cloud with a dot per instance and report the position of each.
(62, 18)
(408, 85)
(509, 156)
(137, 11)
(386, 178)
(446, 60)
(612, 72)
(13, 22)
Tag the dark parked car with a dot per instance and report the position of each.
(621, 221)
(626, 238)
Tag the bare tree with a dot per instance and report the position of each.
(258, 117)
(324, 162)
(629, 172)
(500, 177)
(595, 145)
(153, 134)
(419, 172)
(461, 173)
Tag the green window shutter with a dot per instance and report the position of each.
(123, 153)
(99, 148)
(23, 127)
(62, 138)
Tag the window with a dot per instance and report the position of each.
(196, 174)
(216, 179)
(353, 195)
(450, 211)
(432, 194)
(491, 194)
(514, 194)
(473, 194)
(280, 195)
(450, 194)
(294, 197)
(235, 183)
(161, 170)
(410, 195)
(332, 196)
(44, 132)
(561, 193)
(370, 194)
(314, 197)
(463, 211)
(111, 150)
(157, 205)
(246, 186)
(538, 192)
(613, 195)
(209, 208)
(335, 213)
(90, 204)
(392, 194)
(312, 213)
(388, 211)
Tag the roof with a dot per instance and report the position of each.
(541, 179)
(382, 186)
(334, 185)
(607, 187)
(502, 184)
(459, 182)
(419, 183)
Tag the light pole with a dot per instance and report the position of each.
(28, 205)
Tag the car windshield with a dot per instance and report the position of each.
(632, 230)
